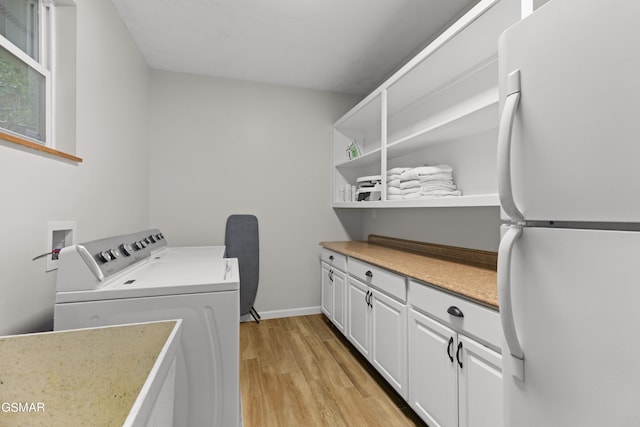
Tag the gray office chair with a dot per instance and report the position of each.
(241, 241)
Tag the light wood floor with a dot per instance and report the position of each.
(301, 371)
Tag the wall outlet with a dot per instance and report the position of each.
(60, 234)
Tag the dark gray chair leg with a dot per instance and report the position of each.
(255, 314)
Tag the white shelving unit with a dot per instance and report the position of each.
(441, 107)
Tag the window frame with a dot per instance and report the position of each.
(43, 66)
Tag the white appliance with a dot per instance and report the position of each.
(138, 278)
(369, 188)
(569, 184)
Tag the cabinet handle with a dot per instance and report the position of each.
(458, 354)
(331, 257)
(455, 311)
(368, 274)
(449, 347)
(367, 298)
(331, 275)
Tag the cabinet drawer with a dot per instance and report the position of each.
(388, 282)
(334, 259)
(476, 321)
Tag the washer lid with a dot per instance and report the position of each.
(164, 277)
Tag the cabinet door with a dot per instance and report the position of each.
(339, 297)
(358, 315)
(326, 297)
(433, 385)
(389, 340)
(480, 385)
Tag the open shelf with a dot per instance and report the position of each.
(367, 159)
(477, 115)
(432, 202)
(440, 108)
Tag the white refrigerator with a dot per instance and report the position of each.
(569, 184)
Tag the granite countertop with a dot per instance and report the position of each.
(78, 377)
(474, 280)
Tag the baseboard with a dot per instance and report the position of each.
(277, 314)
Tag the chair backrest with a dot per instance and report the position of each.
(241, 241)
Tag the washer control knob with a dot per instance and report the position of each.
(138, 245)
(114, 253)
(146, 240)
(151, 239)
(104, 256)
(143, 243)
(126, 249)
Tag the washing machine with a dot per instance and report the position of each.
(137, 278)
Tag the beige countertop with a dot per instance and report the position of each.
(80, 377)
(468, 279)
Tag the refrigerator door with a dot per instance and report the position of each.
(575, 147)
(575, 296)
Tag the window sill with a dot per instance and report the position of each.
(25, 143)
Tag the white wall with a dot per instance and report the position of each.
(475, 228)
(106, 194)
(220, 147)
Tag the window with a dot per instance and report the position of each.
(25, 78)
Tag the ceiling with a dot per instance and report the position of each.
(348, 46)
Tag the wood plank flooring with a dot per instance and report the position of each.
(301, 371)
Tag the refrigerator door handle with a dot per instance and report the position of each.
(505, 252)
(504, 147)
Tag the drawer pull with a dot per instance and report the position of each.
(331, 257)
(368, 274)
(455, 311)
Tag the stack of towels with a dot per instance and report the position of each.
(420, 182)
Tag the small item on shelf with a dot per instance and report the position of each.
(369, 188)
(353, 150)
(347, 193)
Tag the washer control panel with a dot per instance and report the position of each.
(116, 253)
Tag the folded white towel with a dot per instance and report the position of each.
(411, 196)
(392, 177)
(394, 190)
(444, 176)
(394, 197)
(441, 193)
(438, 185)
(393, 183)
(410, 184)
(411, 190)
(420, 171)
(396, 171)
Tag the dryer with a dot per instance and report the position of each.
(137, 278)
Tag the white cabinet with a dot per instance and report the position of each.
(455, 374)
(389, 340)
(359, 315)
(480, 385)
(326, 296)
(439, 351)
(334, 287)
(433, 389)
(441, 107)
(377, 320)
